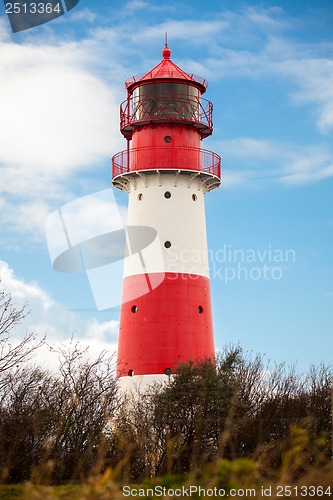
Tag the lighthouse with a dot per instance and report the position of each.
(166, 312)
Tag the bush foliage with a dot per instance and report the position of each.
(233, 417)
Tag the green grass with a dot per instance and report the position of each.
(305, 467)
(240, 474)
(29, 491)
(10, 491)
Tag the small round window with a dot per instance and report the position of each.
(140, 196)
(200, 309)
(167, 139)
(167, 244)
(167, 195)
(194, 197)
(130, 373)
(134, 309)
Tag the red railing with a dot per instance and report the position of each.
(159, 158)
(168, 107)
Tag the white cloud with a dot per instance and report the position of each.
(267, 161)
(26, 218)
(305, 170)
(248, 148)
(262, 51)
(266, 18)
(133, 5)
(237, 179)
(4, 32)
(57, 120)
(102, 332)
(314, 79)
(21, 291)
(81, 15)
(307, 70)
(92, 216)
(55, 116)
(55, 321)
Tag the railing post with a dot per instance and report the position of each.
(127, 156)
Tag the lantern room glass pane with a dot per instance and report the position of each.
(166, 100)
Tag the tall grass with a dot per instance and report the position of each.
(239, 478)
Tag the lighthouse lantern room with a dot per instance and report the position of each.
(166, 175)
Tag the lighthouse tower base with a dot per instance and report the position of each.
(141, 384)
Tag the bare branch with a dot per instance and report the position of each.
(13, 354)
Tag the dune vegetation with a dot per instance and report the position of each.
(235, 426)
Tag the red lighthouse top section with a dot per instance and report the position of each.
(164, 119)
(166, 94)
(166, 70)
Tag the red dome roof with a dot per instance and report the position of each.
(166, 70)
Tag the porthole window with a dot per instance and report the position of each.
(167, 371)
(134, 309)
(167, 195)
(140, 196)
(131, 373)
(167, 139)
(194, 197)
(200, 309)
(167, 244)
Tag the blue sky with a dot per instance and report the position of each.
(270, 72)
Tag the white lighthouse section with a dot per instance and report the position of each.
(140, 384)
(172, 204)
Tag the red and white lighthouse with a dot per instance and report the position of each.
(166, 314)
